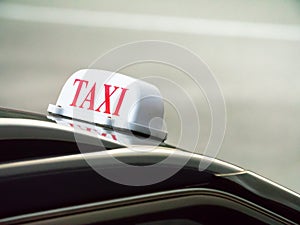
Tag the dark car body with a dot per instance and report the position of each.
(45, 179)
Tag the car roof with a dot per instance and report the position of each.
(39, 131)
(26, 127)
(55, 158)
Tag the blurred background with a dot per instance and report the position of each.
(252, 48)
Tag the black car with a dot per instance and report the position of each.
(46, 178)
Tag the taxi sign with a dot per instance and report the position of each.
(112, 99)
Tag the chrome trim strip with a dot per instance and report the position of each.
(231, 174)
(121, 152)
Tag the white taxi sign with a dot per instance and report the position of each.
(112, 99)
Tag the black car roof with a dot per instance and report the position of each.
(55, 161)
(59, 182)
(24, 128)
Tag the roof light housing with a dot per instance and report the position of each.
(114, 100)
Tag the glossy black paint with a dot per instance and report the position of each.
(37, 187)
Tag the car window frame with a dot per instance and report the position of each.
(106, 211)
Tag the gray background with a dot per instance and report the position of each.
(252, 47)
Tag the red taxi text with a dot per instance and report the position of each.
(89, 100)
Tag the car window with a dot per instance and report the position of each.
(171, 222)
(212, 208)
(198, 215)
